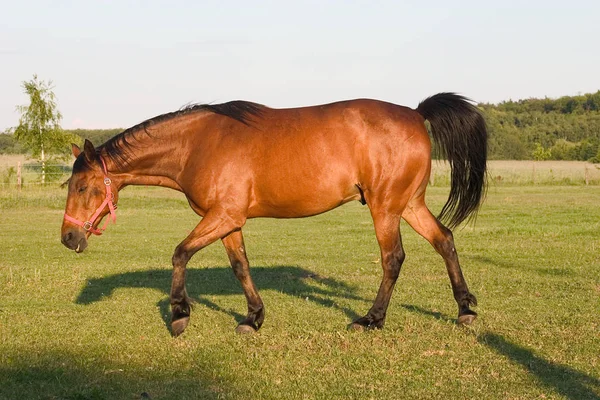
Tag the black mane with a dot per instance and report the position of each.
(119, 147)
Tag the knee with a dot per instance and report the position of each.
(393, 263)
(180, 256)
(399, 259)
(238, 268)
(401, 255)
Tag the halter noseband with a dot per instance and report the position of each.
(88, 225)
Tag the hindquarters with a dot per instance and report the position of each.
(397, 159)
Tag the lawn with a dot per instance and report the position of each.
(94, 325)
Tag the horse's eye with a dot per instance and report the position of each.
(82, 189)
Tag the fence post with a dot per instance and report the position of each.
(587, 177)
(19, 180)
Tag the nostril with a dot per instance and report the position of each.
(67, 237)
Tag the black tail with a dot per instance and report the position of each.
(459, 130)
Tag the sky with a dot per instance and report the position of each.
(114, 64)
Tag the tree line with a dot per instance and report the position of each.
(567, 128)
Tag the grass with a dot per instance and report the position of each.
(94, 325)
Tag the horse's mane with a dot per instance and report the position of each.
(118, 148)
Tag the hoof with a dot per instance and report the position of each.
(366, 324)
(356, 327)
(465, 320)
(178, 326)
(244, 329)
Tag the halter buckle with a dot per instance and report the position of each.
(107, 181)
(87, 225)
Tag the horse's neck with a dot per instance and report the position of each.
(152, 163)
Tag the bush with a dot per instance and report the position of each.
(9, 176)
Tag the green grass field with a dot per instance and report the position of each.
(93, 325)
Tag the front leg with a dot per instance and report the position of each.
(215, 225)
(234, 245)
(180, 302)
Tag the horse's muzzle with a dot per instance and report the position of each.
(75, 241)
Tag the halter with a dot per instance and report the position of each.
(88, 225)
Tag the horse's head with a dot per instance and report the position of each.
(91, 196)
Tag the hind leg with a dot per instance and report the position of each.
(421, 220)
(387, 230)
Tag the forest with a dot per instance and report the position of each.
(567, 128)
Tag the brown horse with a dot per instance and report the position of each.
(241, 160)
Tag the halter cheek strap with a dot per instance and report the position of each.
(108, 200)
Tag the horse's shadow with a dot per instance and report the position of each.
(569, 382)
(202, 284)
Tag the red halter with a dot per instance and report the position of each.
(108, 200)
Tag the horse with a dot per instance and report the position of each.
(240, 160)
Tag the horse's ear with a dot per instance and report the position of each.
(89, 151)
(75, 149)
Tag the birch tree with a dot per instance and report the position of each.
(39, 128)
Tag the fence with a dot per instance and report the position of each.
(23, 173)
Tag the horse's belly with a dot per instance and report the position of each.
(301, 199)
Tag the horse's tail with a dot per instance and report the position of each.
(460, 133)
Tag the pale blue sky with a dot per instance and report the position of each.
(116, 63)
